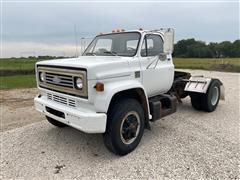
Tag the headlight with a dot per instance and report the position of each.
(79, 83)
(42, 76)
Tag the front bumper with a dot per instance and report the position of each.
(82, 119)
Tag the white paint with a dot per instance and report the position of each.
(81, 119)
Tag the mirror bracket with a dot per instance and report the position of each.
(162, 56)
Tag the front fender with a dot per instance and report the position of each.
(103, 99)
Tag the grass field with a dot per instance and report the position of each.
(225, 64)
(12, 82)
(17, 64)
(18, 73)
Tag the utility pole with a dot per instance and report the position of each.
(76, 40)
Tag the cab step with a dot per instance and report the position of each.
(162, 105)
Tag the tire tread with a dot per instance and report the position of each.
(119, 107)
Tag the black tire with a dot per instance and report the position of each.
(55, 123)
(118, 117)
(211, 98)
(196, 101)
(204, 101)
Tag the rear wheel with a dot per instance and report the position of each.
(55, 123)
(211, 98)
(209, 101)
(196, 101)
(125, 127)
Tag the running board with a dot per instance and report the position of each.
(162, 105)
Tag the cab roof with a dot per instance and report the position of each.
(141, 31)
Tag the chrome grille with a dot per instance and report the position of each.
(61, 100)
(60, 80)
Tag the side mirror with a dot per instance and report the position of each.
(168, 41)
(162, 56)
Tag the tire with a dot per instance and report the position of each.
(125, 127)
(211, 98)
(209, 101)
(55, 123)
(196, 101)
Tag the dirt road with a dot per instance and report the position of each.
(187, 144)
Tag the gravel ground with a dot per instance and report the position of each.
(17, 108)
(186, 145)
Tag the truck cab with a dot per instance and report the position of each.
(122, 81)
(141, 49)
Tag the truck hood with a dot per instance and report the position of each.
(98, 67)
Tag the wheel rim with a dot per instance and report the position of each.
(215, 95)
(130, 127)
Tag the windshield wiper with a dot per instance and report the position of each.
(111, 52)
(90, 53)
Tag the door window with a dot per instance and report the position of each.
(152, 45)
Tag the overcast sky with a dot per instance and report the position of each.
(42, 28)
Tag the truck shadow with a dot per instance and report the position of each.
(76, 144)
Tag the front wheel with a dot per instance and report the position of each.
(125, 127)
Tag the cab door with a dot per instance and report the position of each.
(157, 73)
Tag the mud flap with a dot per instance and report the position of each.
(222, 92)
(200, 84)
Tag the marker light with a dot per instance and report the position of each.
(118, 30)
(99, 87)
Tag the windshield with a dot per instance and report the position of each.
(117, 44)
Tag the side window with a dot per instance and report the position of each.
(154, 45)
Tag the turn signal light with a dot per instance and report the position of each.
(99, 87)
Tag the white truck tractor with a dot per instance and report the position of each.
(123, 81)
